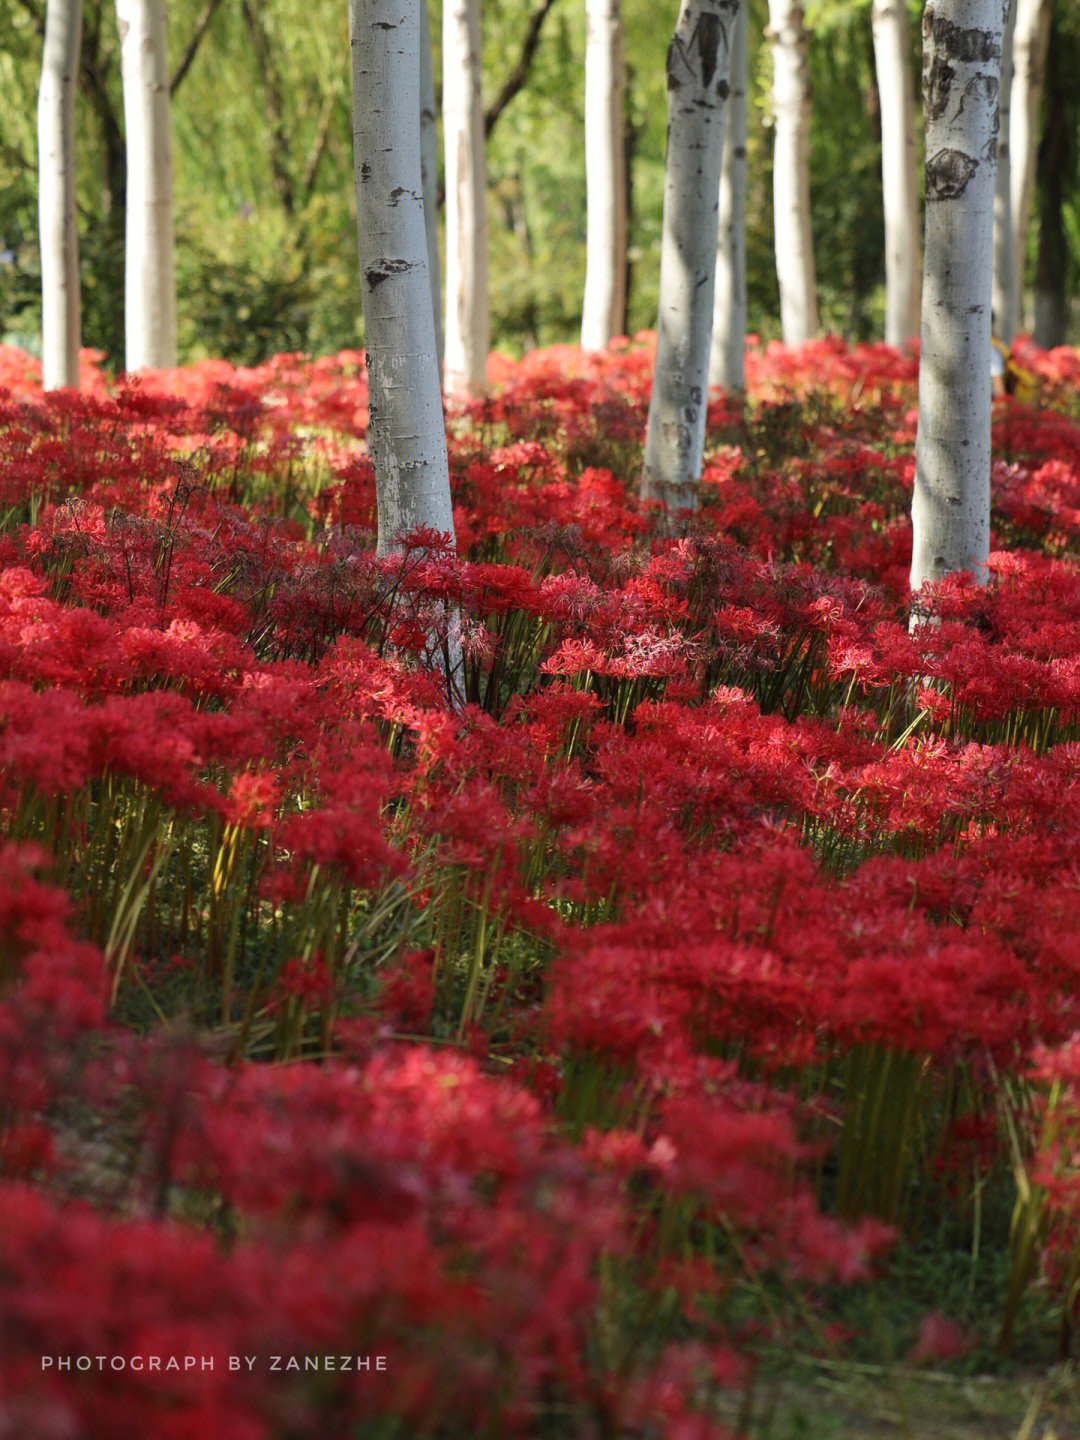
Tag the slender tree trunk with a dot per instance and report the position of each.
(149, 276)
(1003, 302)
(899, 172)
(1053, 169)
(728, 348)
(794, 239)
(1031, 36)
(406, 437)
(429, 173)
(61, 309)
(603, 314)
(698, 68)
(467, 318)
(951, 505)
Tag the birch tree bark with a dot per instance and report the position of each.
(61, 309)
(603, 305)
(406, 436)
(698, 67)
(728, 348)
(950, 509)
(149, 271)
(899, 174)
(429, 174)
(793, 237)
(1003, 292)
(467, 314)
(1031, 35)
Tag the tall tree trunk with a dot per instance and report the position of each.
(728, 348)
(698, 68)
(406, 436)
(429, 173)
(950, 509)
(1031, 36)
(61, 309)
(793, 235)
(1055, 162)
(467, 317)
(899, 172)
(603, 313)
(1003, 301)
(149, 275)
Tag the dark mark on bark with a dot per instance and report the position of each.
(950, 45)
(707, 39)
(383, 269)
(937, 82)
(675, 62)
(968, 47)
(948, 174)
(983, 88)
(697, 60)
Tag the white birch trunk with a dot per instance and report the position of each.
(1031, 35)
(149, 274)
(603, 305)
(1003, 294)
(406, 436)
(728, 349)
(698, 68)
(61, 310)
(793, 236)
(467, 315)
(950, 509)
(429, 173)
(899, 171)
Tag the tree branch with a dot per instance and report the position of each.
(515, 81)
(202, 24)
(318, 145)
(95, 64)
(275, 108)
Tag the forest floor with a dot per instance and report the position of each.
(844, 1400)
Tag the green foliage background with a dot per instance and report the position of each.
(266, 250)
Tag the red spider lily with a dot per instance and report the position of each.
(688, 827)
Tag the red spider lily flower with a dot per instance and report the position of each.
(940, 1339)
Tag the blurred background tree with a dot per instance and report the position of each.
(265, 237)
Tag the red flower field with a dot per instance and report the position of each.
(524, 1051)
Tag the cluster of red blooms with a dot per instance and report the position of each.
(666, 757)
